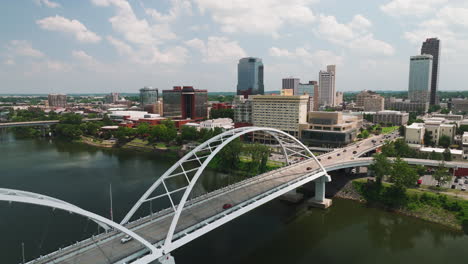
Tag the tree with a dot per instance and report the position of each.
(171, 129)
(462, 129)
(428, 140)
(381, 167)
(69, 131)
(402, 131)
(71, 118)
(436, 156)
(442, 175)
(444, 111)
(123, 134)
(447, 155)
(189, 133)
(445, 141)
(402, 175)
(143, 129)
(222, 113)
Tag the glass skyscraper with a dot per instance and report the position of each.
(250, 77)
(148, 96)
(432, 46)
(420, 78)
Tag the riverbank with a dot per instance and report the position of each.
(433, 207)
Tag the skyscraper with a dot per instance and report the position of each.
(250, 77)
(327, 90)
(432, 46)
(292, 84)
(148, 96)
(57, 100)
(419, 87)
(185, 102)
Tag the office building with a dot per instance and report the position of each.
(388, 117)
(406, 106)
(312, 89)
(57, 100)
(419, 87)
(458, 105)
(185, 102)
(327, 92)
(330, 129)
(432, 46)
(437, 127)
(148, 96)
(291, 84)
(243, 111)
(414, 134)
(112, 98)
(280, 112)
(339, 98)
(250, 77)
(370, 101)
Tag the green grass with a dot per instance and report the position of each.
(387, 130)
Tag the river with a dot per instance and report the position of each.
(276, 233)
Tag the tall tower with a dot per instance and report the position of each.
(292, 84)
(327, 90)
(420, 75)
(250, 77)
(432, 46)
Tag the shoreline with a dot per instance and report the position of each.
(349, 192)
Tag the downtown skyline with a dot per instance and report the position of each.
(101, 46)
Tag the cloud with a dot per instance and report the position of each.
(411, 7)
(320, 57)
(179, 7)
(354, 35)
(73, 27)
(150, 54)
(9, 62)
(217, 49)
(23, 48)
(260, 17)
(47, 3)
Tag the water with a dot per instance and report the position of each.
(274, 233)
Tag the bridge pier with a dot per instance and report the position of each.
(166, 259)
(319, 199)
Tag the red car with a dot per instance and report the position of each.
(227, 206)
(419, 182)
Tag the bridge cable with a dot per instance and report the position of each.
(45, 233)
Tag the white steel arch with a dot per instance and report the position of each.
(289, 144)
(10, 195)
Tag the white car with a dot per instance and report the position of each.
(463, 188)
(125, 239)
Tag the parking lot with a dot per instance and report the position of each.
(458, 183)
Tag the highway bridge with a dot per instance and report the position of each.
(192, 214)
(39, 123)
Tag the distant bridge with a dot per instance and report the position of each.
(40, 123)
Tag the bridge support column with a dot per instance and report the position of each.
(166, 259)
(319, 200)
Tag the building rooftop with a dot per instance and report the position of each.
(441, 150)
(416, 125)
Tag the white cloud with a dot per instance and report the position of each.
(23, 48)
(74, 27)
(47, 3)
(411, 7)
(217, 49)
(9, 62)
(260, 16)
(354, 35)
(179, 7)
(319, 57)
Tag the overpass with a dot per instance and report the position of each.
(191, 214)
(39, 123)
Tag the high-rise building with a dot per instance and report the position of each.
(112, 98)
(310, 89)
(291, 83)
(420, 78)
(327, 92)
(370, 101)
(148, 96)
(250, 77)
(243, 111)
(185, 102)
(280, 112)
(432, 46)
(339, 98)
(57, 100)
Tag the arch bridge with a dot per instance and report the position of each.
(193, 210)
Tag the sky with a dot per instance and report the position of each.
(101, 46)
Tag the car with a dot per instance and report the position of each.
(453, 186)
(354, 152)
(319, 159)
(373, 141)
(344, 150)
(456, 180)
(419, 181)
(338, 154)
(125, 239)
(329, 157)
(466, 181)
(357, 146)
(309, 168)
(463, 188)
(227, 206)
